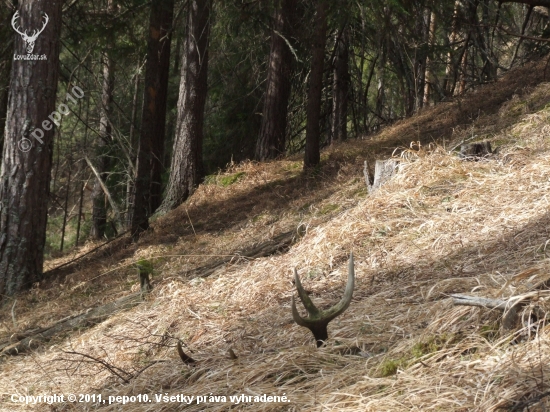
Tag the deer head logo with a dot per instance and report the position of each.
(29, 40)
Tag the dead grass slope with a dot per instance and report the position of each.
(440, 226)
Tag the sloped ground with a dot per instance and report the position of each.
(440, 226)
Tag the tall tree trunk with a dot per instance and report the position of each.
(130, 188)
(463, 68)
(428, 77)
(159, 136)
(381, 87)
(99, 202)
(313, 128)
(448, 83)
(272, 139)
(463, 58)
(66, 204)
(153, 120)
(25, 174)
(340, 89)
(420, 57)
(186, 166)
(82, 186)
(489, 71)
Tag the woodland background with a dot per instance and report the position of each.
(177, 90)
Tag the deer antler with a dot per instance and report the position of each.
(35, 33)
(13, 24)
(318, 320)
(46, 20)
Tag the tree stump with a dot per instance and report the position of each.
(475, 151)
(383, 171)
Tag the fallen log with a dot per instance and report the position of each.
(511, 307)
(467, 300)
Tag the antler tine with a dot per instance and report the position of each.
(317, 321)
(344, 303)
(304, 297)
(46, 20)
(13, 24)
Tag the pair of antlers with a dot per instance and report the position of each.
(318, 320)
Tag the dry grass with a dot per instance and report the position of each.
(440, 226)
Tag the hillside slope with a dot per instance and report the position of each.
(440, 226)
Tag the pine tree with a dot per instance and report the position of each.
(186, 166)
(25, 174)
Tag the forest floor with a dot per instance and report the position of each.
(440, 226)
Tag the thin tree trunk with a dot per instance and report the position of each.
(420, 58)
(428, 77)
(99, 205)
(177, 54)
(489, 70)
(25, 174)
(153, 120)
(463, 69)
(449, 75)
(186, 166)
(340, 89)
(272, 139)
(366, 94)
(82, 167)
(523, 27)
(313, 130)
(463, 58)
(381, 92)
(130, 179)
(65, 206)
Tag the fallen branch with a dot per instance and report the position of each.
(105, 190)
(466, 300)
(124, 375)
(511, 307)
(111, 368)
